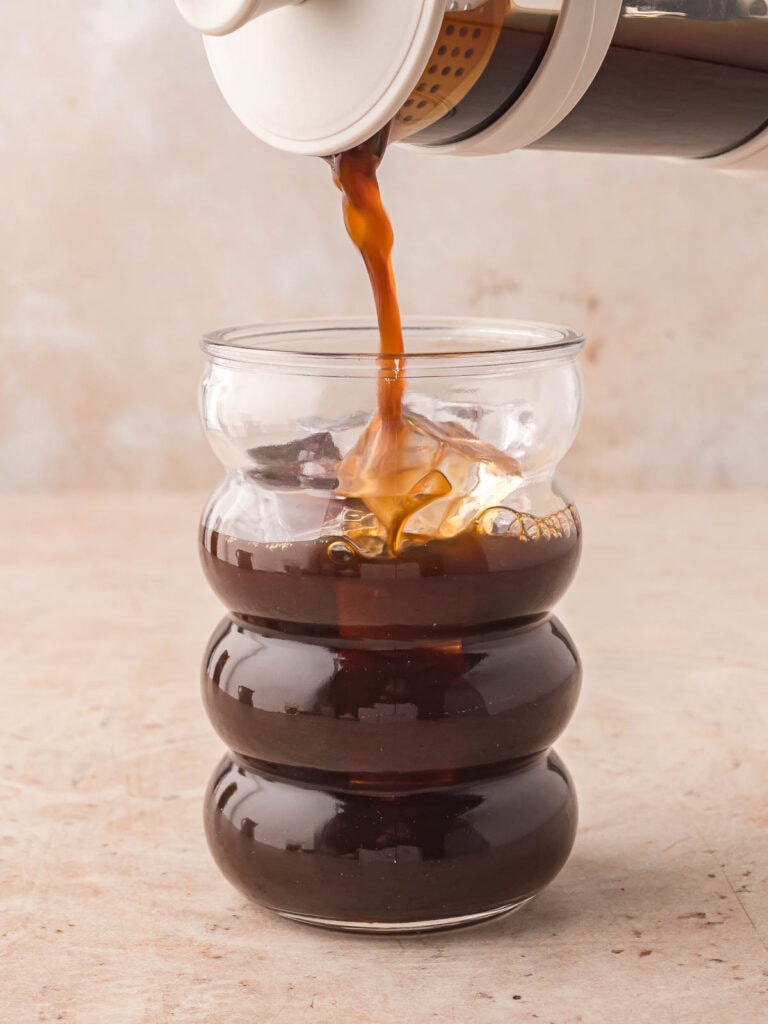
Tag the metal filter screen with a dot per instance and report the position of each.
(463, 49)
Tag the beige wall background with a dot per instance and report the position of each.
(136, 212)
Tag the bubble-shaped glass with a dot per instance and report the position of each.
(389, 685)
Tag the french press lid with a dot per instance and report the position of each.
(320, 76)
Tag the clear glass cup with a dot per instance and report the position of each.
(389, 694)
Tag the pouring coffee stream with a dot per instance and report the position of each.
(371, 231)
(402, 462)
(376, 465)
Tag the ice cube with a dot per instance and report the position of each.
(436, 410)
(434, 478)
(508, 426)
(267, 516)
(345, 430)
(311, 461)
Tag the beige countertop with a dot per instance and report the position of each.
(112, 910)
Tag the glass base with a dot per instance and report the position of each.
(406, 927)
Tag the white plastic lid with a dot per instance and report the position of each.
(322, 76)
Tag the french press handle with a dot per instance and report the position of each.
(220, 17)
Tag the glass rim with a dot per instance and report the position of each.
(430, 342)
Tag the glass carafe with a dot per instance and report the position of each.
(389, 708)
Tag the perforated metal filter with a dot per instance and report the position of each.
(465, 45)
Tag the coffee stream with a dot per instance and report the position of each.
(404, 462)
(384, 469)
(371, 231)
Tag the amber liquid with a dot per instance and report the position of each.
(392, 720)
(374, 470)
(371, 231)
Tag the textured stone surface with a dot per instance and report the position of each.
(112, 910)
(137, 213)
